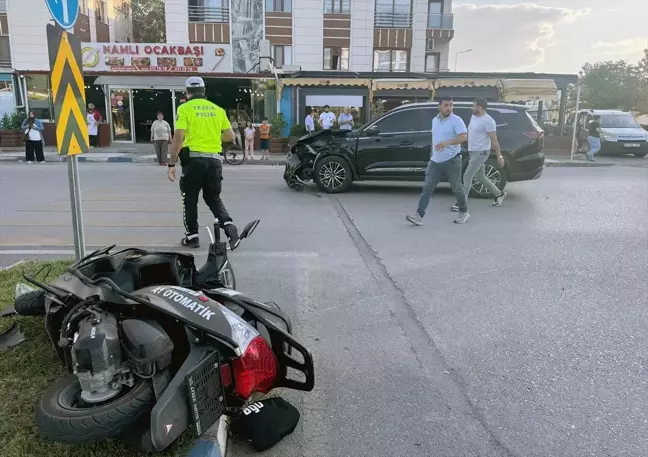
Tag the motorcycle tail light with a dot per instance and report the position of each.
(256, 369)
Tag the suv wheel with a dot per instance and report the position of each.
(333, 175)
(495, 173)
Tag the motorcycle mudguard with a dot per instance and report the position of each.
(171, 415)
(190, 307)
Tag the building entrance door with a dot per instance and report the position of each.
(121, 115)
(147, 103)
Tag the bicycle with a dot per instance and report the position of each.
(233, 154)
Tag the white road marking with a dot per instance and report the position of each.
(12, 265)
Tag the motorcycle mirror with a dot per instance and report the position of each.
(249, 228)
(211, 235)
(22, 288)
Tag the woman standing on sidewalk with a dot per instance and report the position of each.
(161, 137)
(250, 133)
(33, 138)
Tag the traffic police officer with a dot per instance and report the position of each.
(200, 130)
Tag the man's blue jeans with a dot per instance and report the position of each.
(594, 146)
(452, 169)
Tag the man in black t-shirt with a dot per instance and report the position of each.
(593, 137)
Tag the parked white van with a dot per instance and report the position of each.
(620, 132)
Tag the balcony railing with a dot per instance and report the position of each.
(440, 21)
(208, 14)
(5, 52)
(392, 20)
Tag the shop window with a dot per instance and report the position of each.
(39, 96)
(264, 100)
(284, 6)
(282, 55)
(337, 104)
(336, 58)
(100, 11)
(432, 61)
(391, 60)
(337, 6)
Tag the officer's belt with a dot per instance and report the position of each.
(206, 155)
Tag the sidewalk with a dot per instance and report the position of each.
(131, 153)
(142, 153)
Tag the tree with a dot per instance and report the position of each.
(610, 85)
(149, 25)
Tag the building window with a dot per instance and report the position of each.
(208, 11)
(432, 61)
(100, 11)
(391, 60)
(336, 58)
(337, 6)
(437, 19)
(284, 6)
(282, 55)
(83, 7)
(393, 13)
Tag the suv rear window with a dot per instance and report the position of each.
(504, 118)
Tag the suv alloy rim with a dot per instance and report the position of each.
(493, 174)
(332, 175)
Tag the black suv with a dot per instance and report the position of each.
(397, 147)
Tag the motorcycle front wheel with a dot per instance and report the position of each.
(62, 416)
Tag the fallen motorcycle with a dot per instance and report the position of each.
(155, 346)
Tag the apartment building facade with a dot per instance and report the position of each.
(130, 46)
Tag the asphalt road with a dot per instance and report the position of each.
(521, 333)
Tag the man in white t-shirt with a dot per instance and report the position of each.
(327, 118)
(482, 137)
(308, 122)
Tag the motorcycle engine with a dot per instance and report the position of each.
(96, 357)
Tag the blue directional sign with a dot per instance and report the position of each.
(64, 12)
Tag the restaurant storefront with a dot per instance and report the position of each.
(388, 94)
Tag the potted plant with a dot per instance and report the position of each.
(11, 134)
(296, 132)
(278, 144)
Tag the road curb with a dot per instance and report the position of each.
(560, 163)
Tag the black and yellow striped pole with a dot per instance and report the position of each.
(68, 94)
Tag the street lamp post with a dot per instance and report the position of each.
(457, 55)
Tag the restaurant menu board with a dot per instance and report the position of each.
(191, 58)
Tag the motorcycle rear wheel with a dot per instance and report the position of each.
(60, 417)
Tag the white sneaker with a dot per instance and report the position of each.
(415, 219)
(462, 219)
(30, 161)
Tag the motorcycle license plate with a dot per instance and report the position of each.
(205, 391)
(632, 145)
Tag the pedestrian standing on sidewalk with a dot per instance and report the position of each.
(93, 119)
(161, 137)
(237, 132)
(308, 122)
(345, 120)
(250, 133)
(327, 118)
(264, 134)
(594, 137)
(448, 132)
(482, 137)
(33, 129)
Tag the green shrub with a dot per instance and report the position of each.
(297, 130)
(278, 125)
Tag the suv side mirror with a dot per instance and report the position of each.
(372, 131)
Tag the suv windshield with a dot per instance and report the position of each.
(618, 121)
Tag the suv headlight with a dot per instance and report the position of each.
(608, 137)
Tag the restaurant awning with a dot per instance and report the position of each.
(465, 82)
(519, 90)
(401, 84)
(325, 82)
(143, 82)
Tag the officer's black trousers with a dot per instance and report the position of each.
(206, 175)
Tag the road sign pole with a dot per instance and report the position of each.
(68, 91)
(75, 203)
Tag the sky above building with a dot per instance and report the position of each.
(550, 36)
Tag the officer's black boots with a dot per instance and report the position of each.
(191, 241)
